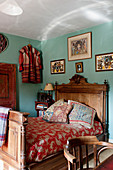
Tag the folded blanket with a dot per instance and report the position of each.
(3, 123)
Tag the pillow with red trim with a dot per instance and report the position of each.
(49, 112)
(81, 114)
(60, 113)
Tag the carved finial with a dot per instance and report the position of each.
(56, 83)
(105, 81)
(76, 78)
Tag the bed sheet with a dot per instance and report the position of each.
(43, 138)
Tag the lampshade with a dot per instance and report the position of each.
(48, 87)
(10, 7)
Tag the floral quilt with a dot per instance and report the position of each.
(44, 139)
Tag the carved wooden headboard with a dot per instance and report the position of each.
(8, 85)
(93, 95)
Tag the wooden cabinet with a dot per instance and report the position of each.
(8, 85)
(42, 106)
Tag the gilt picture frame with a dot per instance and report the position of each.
(57, 66)
(80, 47)
(79, 67)
(104, 62)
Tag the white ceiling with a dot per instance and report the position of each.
(45, 19)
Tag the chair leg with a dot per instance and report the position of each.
(95, 155)
(87, 163)
(70, 167)
(74, 153)
(80, 157)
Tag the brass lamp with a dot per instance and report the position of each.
(49, 87)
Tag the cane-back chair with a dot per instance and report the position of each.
(77, 151)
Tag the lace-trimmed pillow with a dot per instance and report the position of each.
(50, 110)
(60, 113)
(81, 114)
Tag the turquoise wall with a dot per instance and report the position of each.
(26, 93)
(102, 42)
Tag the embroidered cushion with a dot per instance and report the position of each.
(60, 113)
(81, 114)
(50, 110)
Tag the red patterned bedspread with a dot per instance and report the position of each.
(45, 138)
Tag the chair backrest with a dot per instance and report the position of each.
(80, 147)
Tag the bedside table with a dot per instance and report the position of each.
(42, 106)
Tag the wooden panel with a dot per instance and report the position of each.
(93, 100)
(13, 140)
(8, 85)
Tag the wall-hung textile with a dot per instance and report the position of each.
(30, 65)
(3, 124)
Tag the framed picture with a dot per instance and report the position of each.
(80, 47)
(41, 97)
(104, 62)
(57, 66)
(79, 67)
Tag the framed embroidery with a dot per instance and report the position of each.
(104, 62)
(57, 66)
(80, 47)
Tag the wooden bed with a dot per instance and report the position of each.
(13, 153)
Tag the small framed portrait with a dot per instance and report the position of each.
(57, 66)
(104, 62)
(80, 47)
(41, 97)
(79, 67)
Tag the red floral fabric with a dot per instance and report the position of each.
(43, 138)
(60, 113)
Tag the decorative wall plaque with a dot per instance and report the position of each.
(3, 43)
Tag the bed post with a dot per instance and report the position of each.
(56, 90)
(106, 112)
(23, 146)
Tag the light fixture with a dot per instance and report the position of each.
(96, 16)
(10, 7)
(49, 87)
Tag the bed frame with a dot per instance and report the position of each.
(13, 153)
